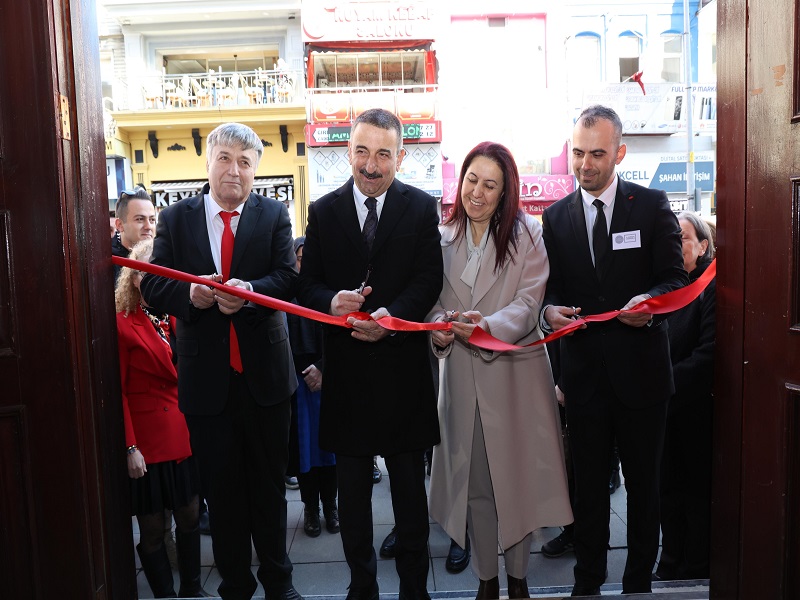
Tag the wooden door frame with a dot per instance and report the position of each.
(731, 180)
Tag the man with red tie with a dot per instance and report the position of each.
(235, 369)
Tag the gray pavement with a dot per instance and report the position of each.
(320, 569)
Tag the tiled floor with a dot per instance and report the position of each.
(320, 568)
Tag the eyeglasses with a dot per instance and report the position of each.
(131, 193)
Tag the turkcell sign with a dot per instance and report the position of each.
(667, 173)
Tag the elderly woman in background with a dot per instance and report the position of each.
(500, 465)
(162, 472)
(317, 468)
(686, 465)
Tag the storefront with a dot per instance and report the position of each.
(371, 55)
(536, 192)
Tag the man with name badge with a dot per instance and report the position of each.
(611, 245)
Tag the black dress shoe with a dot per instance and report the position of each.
(489, 590)
(457, 558)
(331, 514)
(518, 588)
(367, 593)
(583, 590)
(614, 482)
(376, 472)
(560, 545)
(389, 545)
(288, 594)
(311, 523)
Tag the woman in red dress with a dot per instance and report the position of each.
(162, 472)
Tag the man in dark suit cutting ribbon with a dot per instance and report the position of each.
(235, 369)
(373, 246)
(612, 244)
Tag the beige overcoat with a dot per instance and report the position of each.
(514, 393)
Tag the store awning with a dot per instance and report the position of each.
(188, 186)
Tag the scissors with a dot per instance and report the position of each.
(449, 316)
(360, 289)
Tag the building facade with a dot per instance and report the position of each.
(173, 71)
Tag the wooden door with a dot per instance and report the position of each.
(756, 532)
(63, 484)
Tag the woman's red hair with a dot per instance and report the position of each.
(503, 224)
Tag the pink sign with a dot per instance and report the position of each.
(325, 21)
(533, 188)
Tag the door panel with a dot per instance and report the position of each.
(63, 484)
(759, 289)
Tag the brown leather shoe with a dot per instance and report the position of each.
(518, 588)
(489, 590)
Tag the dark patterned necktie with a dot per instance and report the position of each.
(600, 239)
(371, 222)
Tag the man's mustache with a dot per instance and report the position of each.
(368, 175)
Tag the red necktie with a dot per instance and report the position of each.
(225, 258)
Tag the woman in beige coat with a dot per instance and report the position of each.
(500, 466)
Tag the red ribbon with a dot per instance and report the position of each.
(392, 323)
(665, 303)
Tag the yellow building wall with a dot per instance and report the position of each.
(177, 165)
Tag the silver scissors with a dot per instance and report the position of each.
(360, 289)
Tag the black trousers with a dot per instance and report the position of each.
(593, 425)
(242, 455)
(410, 506)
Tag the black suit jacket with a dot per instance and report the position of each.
(377, 398)
(636, 359)
(262, 255)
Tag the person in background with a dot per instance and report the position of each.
(686, 466)
(317, 471)
(135, 221)
(160, 464)
(235, 373)
(492, 471)
(373, 246)
(113, 220)
(612, 244)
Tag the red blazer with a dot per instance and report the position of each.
(150, 391)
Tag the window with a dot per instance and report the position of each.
(583, 65)
(369, 69)
(630, 48)
(178, 64)
(672, 51)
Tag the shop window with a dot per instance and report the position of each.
(369, 69)
(629, 46)
(672, 51)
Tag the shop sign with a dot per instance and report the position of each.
(667, 170)
(169, 192)
(329, 169)
(661, 110)
(536, 192)
(325, 21)
(320, 135)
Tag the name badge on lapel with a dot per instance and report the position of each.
(625, 240)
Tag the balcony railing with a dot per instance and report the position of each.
(343, 104)
(206, 90)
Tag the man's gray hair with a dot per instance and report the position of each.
(383, 119)
(237, 136)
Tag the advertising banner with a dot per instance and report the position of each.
(661, 110)
(667, 170)
(329, 169)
